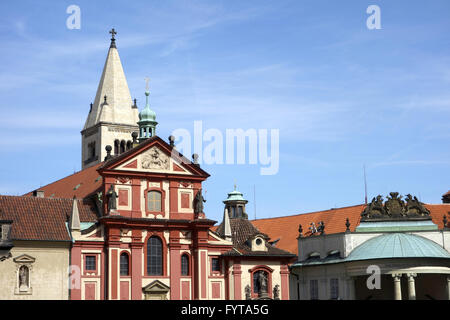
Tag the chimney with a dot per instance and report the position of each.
(38, 193)
(446, 197)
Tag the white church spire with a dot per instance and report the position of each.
(113, 85)
(113, 116)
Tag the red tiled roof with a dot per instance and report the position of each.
(80, 184)
(286, 228)
(242, 230)
(42, 218)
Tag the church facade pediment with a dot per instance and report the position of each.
(24, 259)
(156, 156)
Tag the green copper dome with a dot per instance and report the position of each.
(235, 196)
(397, 245)
(147, 114)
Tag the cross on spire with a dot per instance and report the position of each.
(147, 80)
(113, 33)
(113, 39)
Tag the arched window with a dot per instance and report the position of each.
(122, 146)
(116, 147)
(184, 265)
(154, 256)
(124, 264)
(129, 145)
(154, 201)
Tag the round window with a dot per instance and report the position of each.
(258, 241)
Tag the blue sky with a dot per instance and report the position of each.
(341, 95)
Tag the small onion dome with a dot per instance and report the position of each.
(147, 114)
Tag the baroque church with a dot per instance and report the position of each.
(131, 224)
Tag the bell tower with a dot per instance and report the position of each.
(112, 117)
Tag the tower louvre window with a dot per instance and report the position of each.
(116, 147)
(91, 150)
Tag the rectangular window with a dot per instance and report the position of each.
(215, 265)
(334, 289)
(154, 201)
(90, 263)
(314, 289)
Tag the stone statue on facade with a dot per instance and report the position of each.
(395, 208)
(415, 207)
(198, 202)
(247, 292)
(262, 281)
(23, 278)
(276, 292)
(394, 205)
(155, 159)
(321, 227)
(112, 198)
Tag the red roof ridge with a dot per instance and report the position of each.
(40, 198)
(306, 213)
(70, 175)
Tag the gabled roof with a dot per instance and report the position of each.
(80, 184)
(286, 228)
(36, 218)
(86, 182)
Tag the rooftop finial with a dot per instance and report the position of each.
(147, 80)
(113, 39)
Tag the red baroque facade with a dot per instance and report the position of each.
(152, 245)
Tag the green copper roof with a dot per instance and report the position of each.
(386, 246)
(397, 245)
(147, 114)
(396, 226)
(235, 196)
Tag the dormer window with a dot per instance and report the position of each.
(5, 226)
(313, 255)
(258, 243)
